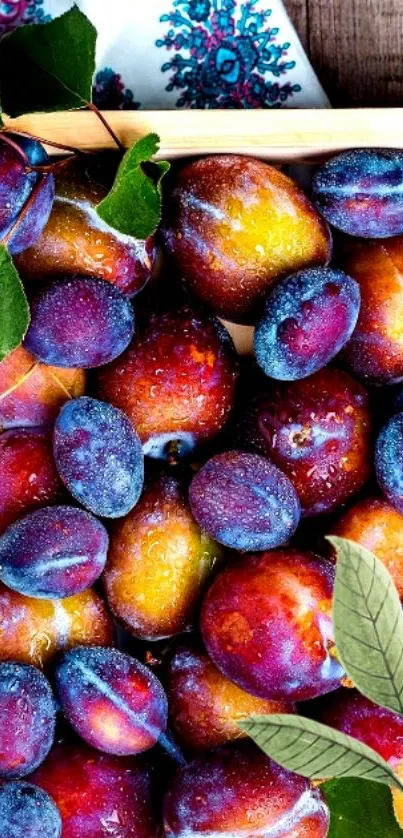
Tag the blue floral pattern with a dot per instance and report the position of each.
(225, 55)
(13, 13)
(109, 92)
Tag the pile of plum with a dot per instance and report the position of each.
(163, 501)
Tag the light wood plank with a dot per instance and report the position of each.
(277, 135)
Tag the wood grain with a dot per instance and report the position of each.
(275, 135)
(356, 47)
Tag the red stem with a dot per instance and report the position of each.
(109, 129)
(52, 143)
(51, 167)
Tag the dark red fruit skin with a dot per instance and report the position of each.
(352, 713)
(98, 794)
(206, 707)
(175, 381)
(76, 241)
(237, 790)
(28, 476)
(27, 719)
(31, 394)
(375, 349)
(317, 431)
(266, 623)
(114, 702)
(234, 226)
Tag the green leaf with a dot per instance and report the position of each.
(14, 310)
(368, 624)
(48, 67)
(133, 205)
(360, 808)
(316, 750)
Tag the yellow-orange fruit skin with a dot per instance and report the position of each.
(375, 350)
(76, 241)
(205, 706)
(31, 393)
(36, 630)
(235, 225)
(158, 562)
(377, 525)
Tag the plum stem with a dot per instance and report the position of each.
(51, 167)
(51, 143)
(6, 238)
(108, 127)
(20, 151)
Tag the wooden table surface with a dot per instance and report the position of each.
(356, 47)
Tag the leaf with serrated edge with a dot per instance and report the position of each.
(368, 624)
(48, 67)
(134, 203)
(14, 310)
(316, 750)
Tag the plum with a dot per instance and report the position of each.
(76, 241)
(112, 701)
(375, 349)
(54, 552)
(307, 319)
(204, 706)
(99, 795)
(27, 811)
(377, 525)
(28, 476)
(79, 322)
(361, 192)
(175, 382)
(317, 431)
(379, 728)
(158, 562)
(389, 460)
(244, 502)
(35, 631)
(27, 719)
(266, 623)
(234, 226)
(237, 790)
(31, 394)
(26, 195)
(99, 456)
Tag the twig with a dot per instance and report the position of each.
(109, 129)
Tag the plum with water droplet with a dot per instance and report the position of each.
(112, 701)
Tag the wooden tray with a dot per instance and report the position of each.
(281, 135)
(277, 135)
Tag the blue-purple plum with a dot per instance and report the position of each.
(54, 552)
(27, 811)
(245, 502)
(307, 319)
(389, 460)
(27, 719)
(79, 322)
(23, 222)
(112, 701)
(99, 456)
(361, 192)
